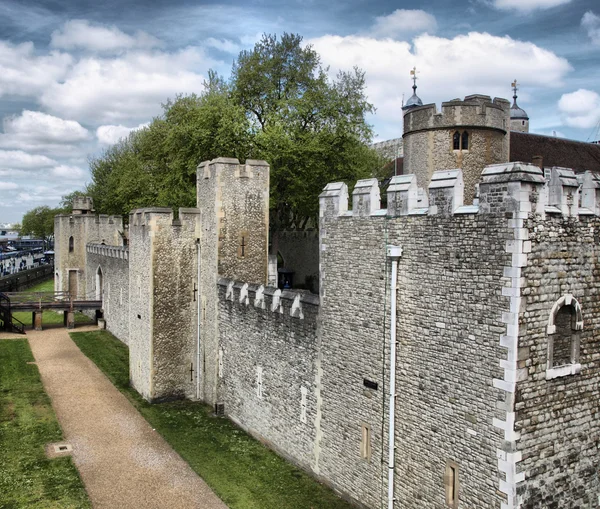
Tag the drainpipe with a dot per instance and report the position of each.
(393, 253)
(198, 299)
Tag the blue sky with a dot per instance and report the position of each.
(75, 76)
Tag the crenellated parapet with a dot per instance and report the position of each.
(120, 252)
(269, 299)
(474, 111)
(509, 187)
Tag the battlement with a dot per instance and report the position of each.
(101, 219)
(231, 165)
(154, 215)
(510, 187)
(83, 205)
(119, 252)
(474, 111)
(284, 302)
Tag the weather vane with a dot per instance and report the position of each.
(413, 73)
(514, 86)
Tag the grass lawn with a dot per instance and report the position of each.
(49, 317)
(27, 424)
(242, 472)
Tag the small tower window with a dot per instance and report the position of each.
(465, 141)
(564, 327)
(456, 140)
(451, 484)
(71, 244)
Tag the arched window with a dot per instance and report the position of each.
(456, 140)
(71, 244)
(564, 327)
(465, 141)
(99, 284)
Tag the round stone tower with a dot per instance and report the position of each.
(519, 120)
(468, 134)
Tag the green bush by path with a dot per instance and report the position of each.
(242, 472)
(27, 423)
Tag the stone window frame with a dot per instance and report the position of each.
(458, 138)
(366, 435)
(451, 484)
(574, 366)
(71, 244)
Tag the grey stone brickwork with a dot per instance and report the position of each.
(264, 328)
(107, 276)
(82, 228)
(450, 305)
(558, 418)
(234, 202)
(163, 305)
(428, 139)
(496, 346)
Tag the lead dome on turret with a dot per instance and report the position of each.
(414, 101)
(519, 120)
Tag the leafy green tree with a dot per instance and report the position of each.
(39, 222)
(279, 105)
(311, 129)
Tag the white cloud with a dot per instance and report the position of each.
(38, 126)
(126, 89)
(226, 45)
(402, 22)
(22, 160)
(527, 5)
(68, 172)
(580, 108)
(111, 134)
(591, 23)
(34, 131)
(6, 186)
(81, 34)
(448, 68)
(24, 73)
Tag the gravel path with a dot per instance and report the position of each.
(122, 461)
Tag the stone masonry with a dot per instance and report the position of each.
(428, 139)
(496, 345)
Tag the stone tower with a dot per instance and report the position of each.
(519, 120)
(163, 302)
(468, 134)
(71, 234)
(233, 199)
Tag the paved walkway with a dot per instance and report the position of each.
(122, 461)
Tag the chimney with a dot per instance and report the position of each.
(538, 161)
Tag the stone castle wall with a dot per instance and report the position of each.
(478, 287)
(113, 261)
(84, 228)
(234, 202)
(163, 276)
(450, 271)
(557, 418)
(263, 329)
(141, 297)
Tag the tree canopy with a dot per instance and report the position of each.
(279, 105)
(39, 222)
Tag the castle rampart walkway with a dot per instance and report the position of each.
(122, 461)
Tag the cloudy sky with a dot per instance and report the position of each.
(77, 75)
